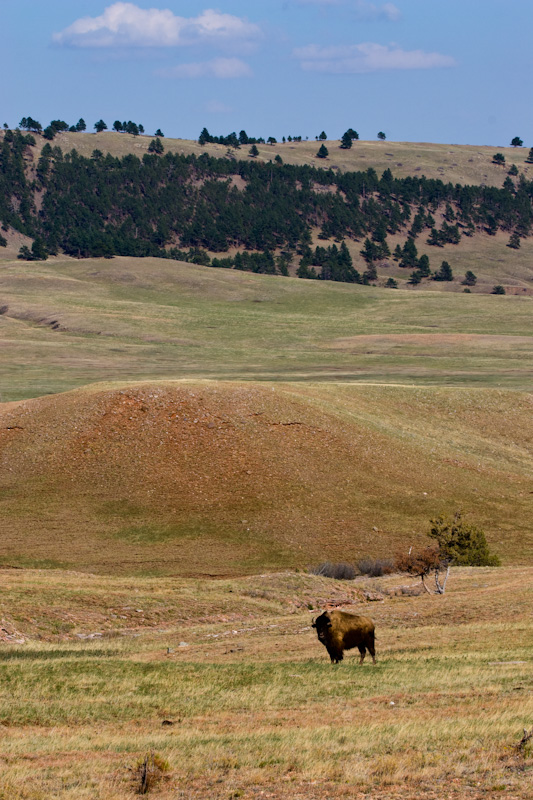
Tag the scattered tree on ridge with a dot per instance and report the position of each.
(322, 136)
(253, 151)
(498, 158)
(381, 136)
(516, 142)
(323, 151)
(346, 141)
(159, 133)
(29, 124)
(100, 126)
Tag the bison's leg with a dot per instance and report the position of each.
(335, 655)
(371, 648)
(362, 652)
(332, 654)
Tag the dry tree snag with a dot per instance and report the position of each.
(149, 771)
(527, 737)
(423, 564)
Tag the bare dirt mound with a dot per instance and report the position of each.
(209, 478)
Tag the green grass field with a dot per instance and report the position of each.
(70, 323)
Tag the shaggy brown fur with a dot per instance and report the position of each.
(339, 631)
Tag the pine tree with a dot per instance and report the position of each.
(444, 274)
(514, 241)
(100, 126)
(516, 142)
(409, 254)
(156, 146)
(323, 151)
(253, 151)
(470, 279)
(423, 266)
(381, 136)
(346, 141)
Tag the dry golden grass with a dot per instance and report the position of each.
(255, 706)
(467, 164)
(207, 478)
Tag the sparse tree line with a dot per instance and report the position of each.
(180, 206)
(60, 126)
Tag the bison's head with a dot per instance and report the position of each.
(322, 623)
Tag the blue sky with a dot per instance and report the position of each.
(456, 71)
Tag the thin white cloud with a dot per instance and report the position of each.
(367, 57)
(215, 68)
(363, 8)
(127, 25)
(386, 11)
(216, 107)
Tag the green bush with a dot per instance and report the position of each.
(460, 543)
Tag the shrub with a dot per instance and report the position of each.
(461, 543)
(418, 563)
(375, 567)
(148, 772)
(498, 289)
(341, 572)
(470, 278)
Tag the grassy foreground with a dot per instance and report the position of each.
(92, 667)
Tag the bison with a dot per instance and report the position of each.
(339, 631)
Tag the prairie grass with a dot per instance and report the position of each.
(253, 704)
(451, 163)
(144, 319)
(219, 478)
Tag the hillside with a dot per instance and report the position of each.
(220, 478)
(464, 164)
(68, 322)
(358, 224)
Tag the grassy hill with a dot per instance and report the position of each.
(466, 164)
(66, 323)
(489, 257)
(221, 478)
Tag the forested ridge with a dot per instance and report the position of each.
(180, 206)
